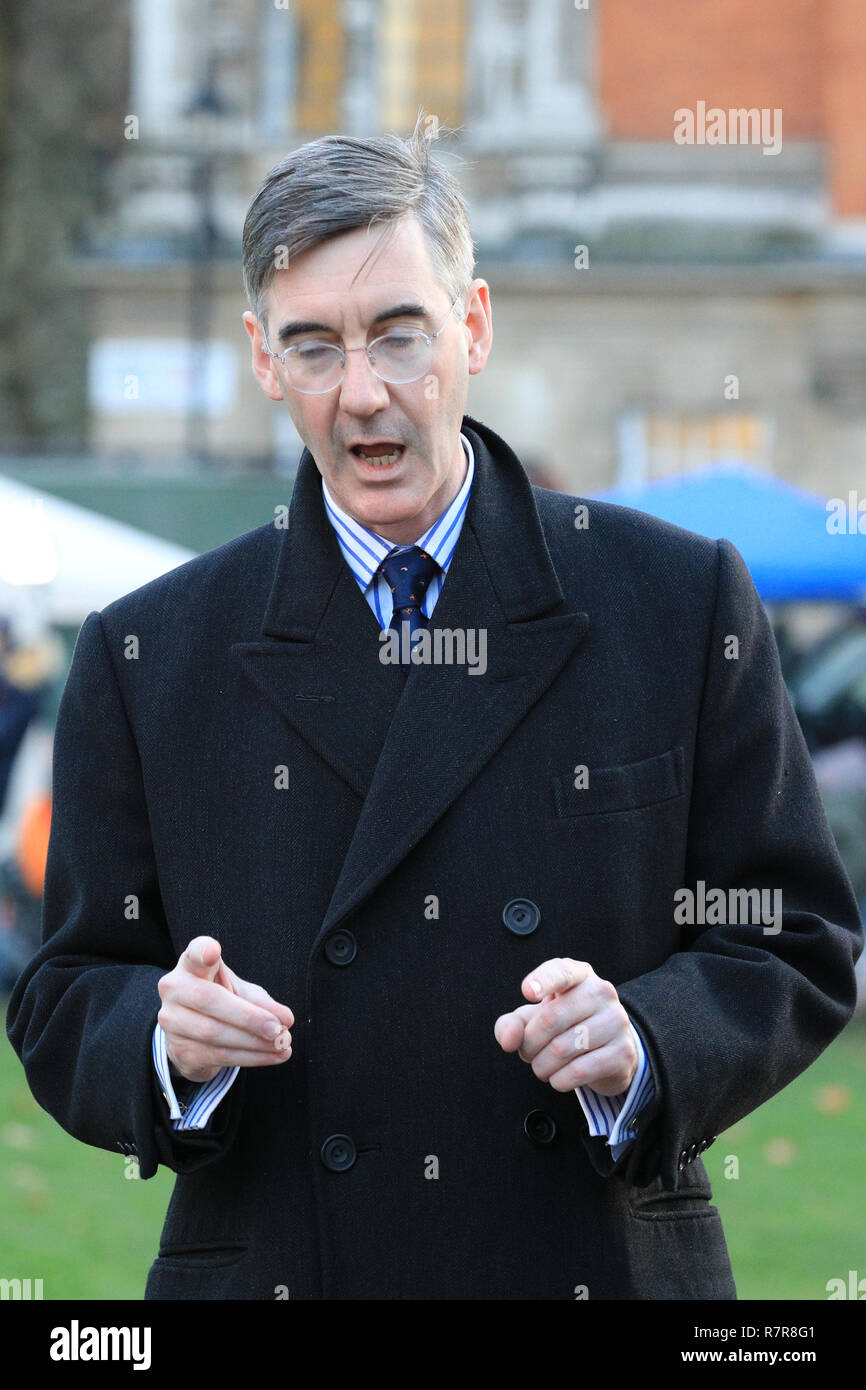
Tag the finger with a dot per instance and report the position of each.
(182, 1023)
(225, 977)
(209, 998)
(577, 1041)
(192, 1061)
(558, 1014)
(608, 1070)
(254, 994)
(553, 977)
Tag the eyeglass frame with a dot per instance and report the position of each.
(366, 347)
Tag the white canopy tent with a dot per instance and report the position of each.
(60, 561)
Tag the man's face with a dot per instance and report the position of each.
(402, 499)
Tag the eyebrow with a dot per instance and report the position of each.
(405, 310)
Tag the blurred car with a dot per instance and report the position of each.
(828, 687)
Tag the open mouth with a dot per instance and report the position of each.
(380, 454)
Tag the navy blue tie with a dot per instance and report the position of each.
(409, 573)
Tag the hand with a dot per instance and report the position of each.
(213, 1019)
(577, 1034)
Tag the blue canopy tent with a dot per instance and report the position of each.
(781, 531)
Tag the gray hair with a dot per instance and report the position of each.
(339, 183)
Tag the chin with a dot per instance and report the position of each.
(389, 504)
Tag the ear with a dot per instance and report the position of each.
(262, 363)
(479, 322)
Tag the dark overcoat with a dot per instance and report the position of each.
(233, 758)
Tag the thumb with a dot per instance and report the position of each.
(203, 957)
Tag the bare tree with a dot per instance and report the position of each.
(63, 84)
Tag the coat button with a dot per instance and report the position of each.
(521, 916)
(540, 1127)
(341, 948)
(338, 1153)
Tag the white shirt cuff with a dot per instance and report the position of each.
(194, 1113)
(612, 1115)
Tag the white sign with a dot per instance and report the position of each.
(168, 375)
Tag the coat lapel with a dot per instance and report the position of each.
(318, 660)
(409, 747)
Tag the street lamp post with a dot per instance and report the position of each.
(203, 119)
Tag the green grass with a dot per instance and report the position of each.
(69, 1216)
(796, 1215)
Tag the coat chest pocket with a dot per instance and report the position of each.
(625, 787)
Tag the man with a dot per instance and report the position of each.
(21, 697)
(405, 965)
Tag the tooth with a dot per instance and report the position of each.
(379, 460)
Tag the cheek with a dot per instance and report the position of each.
(313, 423)
(438, 411)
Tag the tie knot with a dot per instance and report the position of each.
(409, 573)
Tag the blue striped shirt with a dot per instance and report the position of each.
(364, 551)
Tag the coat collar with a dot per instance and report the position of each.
(409, 747)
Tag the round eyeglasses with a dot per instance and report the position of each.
(400, 356)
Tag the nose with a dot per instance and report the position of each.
(361, 391)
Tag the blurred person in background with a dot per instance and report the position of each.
(22, 880)
(28, 671)
(22, 687)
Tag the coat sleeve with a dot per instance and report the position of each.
(738, 1011)
(82, 1013)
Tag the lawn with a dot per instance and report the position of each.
(68, 1214)
(794, 1215)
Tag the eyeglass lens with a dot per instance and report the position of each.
(397, 357)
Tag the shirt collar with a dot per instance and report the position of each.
(364, 550)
